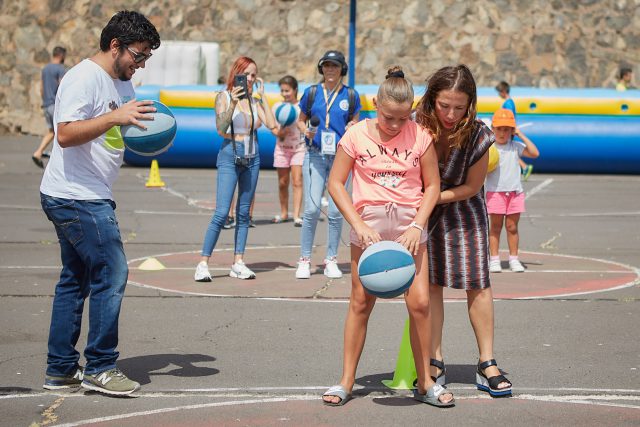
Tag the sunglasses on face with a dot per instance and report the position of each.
(138, 57)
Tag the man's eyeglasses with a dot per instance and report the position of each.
(138, 57)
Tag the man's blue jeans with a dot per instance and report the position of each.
(93, 265)
(231, 175)
(315, 173)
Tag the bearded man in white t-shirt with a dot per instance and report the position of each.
(94, 99)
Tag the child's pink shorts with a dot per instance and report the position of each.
(505, 203)
(285, 156)
(390, 221)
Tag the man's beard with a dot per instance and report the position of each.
(119, 70)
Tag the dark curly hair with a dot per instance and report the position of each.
(129, 27)
(460, 79)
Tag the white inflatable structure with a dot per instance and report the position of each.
(181, 63)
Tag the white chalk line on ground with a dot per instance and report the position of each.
(589, 399)
(538, 188)
(271, 247)
(58, 267)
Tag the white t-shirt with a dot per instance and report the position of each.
(87, 171)
(506, 177)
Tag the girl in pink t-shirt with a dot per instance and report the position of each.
(395, 186)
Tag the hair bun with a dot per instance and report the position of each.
(395, 71)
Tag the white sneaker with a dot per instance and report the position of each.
(494, 266)
(202, 272)
(516, 266)
(240, 271)
(304, 268)
(324, 202)
(331, 269)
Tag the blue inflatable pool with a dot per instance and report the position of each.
(576, 130)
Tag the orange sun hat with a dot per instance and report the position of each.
(503, 117)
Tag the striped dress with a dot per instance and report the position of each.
(459, 232)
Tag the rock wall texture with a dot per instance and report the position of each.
(545, 43)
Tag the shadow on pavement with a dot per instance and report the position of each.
(141, 368)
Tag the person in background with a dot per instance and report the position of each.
(394, 193)
(94, 99)
(239, 113)
(288, 156)
(503, 90)
(335, 106)
(458, 227)
(505, 195)
(50, 80)
(625, 78)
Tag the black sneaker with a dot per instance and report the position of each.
(56, 383)
(229, 223)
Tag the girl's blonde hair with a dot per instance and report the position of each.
(395, 87)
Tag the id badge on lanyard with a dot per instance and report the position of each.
(328, 140)
(327, 137)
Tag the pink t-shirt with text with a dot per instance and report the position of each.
(388, 172)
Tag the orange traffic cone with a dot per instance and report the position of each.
(154, 176)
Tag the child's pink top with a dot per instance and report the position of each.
(388, 172)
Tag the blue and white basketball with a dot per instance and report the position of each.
(386, 269)
(286, 114)
(156, 138)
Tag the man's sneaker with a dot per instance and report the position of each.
(240, 271)
(202, 272)
(324, 202)
(526, 172)
(331, 269)
(304, 268)
(229, 223)
(516, 266)
(111, 382)
(494, 266)
(252, 224)
(52, 382)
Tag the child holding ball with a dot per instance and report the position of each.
(395, 187)
(288, 156)
(505, 195)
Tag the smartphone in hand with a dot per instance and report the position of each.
(241, 80)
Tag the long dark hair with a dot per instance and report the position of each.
(460, 79)
(291, 82)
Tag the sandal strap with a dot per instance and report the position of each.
(437, 363)
(494, 382)
(436, 390)
(486, 364)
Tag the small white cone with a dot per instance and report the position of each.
(151, 264)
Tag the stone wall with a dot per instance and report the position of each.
(546, 43)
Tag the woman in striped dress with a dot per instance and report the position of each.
(458, 241)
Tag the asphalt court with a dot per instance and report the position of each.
(261, 352)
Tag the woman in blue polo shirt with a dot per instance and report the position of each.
(334, 107)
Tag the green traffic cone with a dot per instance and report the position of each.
(405, 373)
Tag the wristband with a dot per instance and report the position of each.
(415, 225)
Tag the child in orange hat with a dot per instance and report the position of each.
(505, 195)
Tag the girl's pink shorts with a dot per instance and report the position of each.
(287, 156)
(390, 221)
(505, 203)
